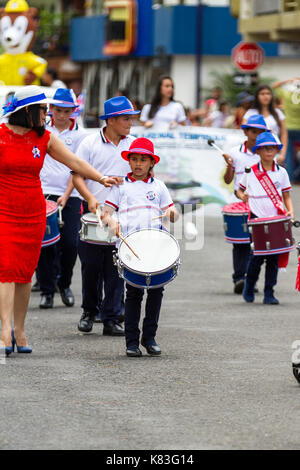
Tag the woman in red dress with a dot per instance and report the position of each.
(24, 143)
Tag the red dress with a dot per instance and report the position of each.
(22, 204)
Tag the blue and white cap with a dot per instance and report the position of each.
(264, 139)
(66, 97)
(26, 96)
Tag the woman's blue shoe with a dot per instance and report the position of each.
(7, 349)
(20, 349)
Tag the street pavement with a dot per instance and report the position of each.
(224, 379)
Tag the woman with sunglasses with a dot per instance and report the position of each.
(24, 142)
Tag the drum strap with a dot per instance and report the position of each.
(270, 188)
(273, 194)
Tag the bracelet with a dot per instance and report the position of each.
(102, 177)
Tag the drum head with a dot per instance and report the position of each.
(157, 250)
(51, 207)
(235, 208)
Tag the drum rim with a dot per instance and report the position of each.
(234, 214)
(153, 272)
(267, 220)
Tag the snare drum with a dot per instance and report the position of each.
(91, 232)
(52, 234)
(235, 223)
(159, 260)
(271, 235)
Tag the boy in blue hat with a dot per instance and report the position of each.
(103, 150)
(58, 186)
(268, 191)
(237, 160)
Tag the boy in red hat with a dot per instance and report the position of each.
(138, 200)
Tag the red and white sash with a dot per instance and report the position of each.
(276, 199)
(270, 188)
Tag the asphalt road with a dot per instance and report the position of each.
(224, 380)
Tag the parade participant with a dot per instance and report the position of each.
(163, 112)
(136, 210)
(265, 203)
(289, 92)
(275, 119)
(103, 151)
(24, 144)
(57, 185)
(237, 159)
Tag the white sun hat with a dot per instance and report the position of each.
(26, 96)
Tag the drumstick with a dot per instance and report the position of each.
(247, 171)
(211, 142)
(123, 240)
(99, 217)
(158, 217)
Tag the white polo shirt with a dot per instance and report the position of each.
(55, 175)
(259, 202)
(241, 158)
(138, 202)
(105, 157)
(173, 111)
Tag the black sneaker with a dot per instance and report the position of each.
(113, 329)
(86, 322)
(239, 286)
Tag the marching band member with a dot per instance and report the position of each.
(268, 192)
(103, 151)
(237, 159)
(138, 200)
(58, 186)
(25, 143)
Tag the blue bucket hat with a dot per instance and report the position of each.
(117, 106)
(257, 121)
(266, 138)
(66, 97)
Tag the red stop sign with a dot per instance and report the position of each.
(247, 56)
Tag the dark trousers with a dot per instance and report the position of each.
(133, 303)
(97, 271)
(254, 267)
(240, 256)
(57, 261)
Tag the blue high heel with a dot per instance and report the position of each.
(20, 349)
(8, 350)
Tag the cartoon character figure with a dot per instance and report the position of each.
(18, 25)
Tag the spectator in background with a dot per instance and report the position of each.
(274, 117)
(218, 118)
(289, 92)
(163, 112)
(50, 78)
(243, 103)
(211, 104)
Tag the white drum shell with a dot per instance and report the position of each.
(92, 232)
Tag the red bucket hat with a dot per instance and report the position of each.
(143, 146)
